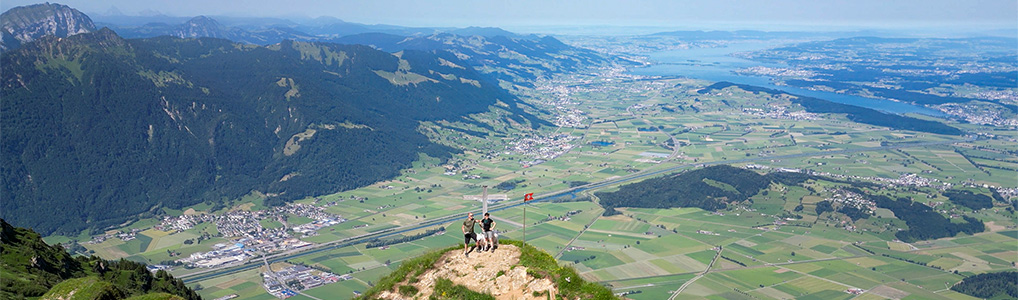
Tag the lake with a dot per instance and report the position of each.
(716, 64)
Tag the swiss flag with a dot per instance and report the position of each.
(528, 197)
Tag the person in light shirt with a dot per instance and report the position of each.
(488, 227)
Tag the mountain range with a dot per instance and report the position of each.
(202, 26)
(100, 130)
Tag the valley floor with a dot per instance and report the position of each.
(618, 129)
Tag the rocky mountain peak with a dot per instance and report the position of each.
(24, 24)
(201, 26)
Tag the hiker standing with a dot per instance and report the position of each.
(468, 232)
(488, 225)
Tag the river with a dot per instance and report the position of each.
(717, 64)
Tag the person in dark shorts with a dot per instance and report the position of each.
(468, 232)
(488, 225)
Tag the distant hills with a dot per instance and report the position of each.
(517, 60)
(24, 24)
(505, 56)
(202, 26)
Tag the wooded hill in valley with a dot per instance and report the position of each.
(714, 188)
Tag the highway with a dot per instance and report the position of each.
(441, 221)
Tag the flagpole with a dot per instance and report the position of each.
(526, 197)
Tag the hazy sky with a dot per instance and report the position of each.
(681, 13)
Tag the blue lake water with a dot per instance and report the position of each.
(716, 64)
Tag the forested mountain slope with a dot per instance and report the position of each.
(99, 129)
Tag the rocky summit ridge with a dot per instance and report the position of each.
(24, 24)
(512, 271)
(496, 273)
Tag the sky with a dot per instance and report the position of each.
(729, 14)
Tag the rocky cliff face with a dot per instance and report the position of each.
(24, 24)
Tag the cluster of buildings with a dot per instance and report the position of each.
(311, 229)
(125, 235)
(244, 223)
(307, 211)
(910, 179)
(221, 254)
(1008, 193)
(565, 218)
(853, 199)
(567, 115)
(776, 72)
(287, 282)
(781, 112)
(239, 251)
(250, 238)
(977, 114)
(541, 148)
(247, 224)
(569, 118)
(183, 222)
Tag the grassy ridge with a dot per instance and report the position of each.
(31, 268)
(84, 288)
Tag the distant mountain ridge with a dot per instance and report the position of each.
(203, 26)
(24, 24)
(518, 60)
(697, 35)
(263, 31)
(505, 57)
(99, 129)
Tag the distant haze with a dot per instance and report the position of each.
(694, 14)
